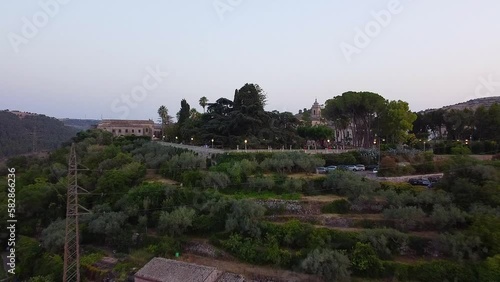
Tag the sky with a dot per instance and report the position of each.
(123, 59)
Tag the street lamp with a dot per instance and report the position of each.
(246, 144)
(176, 138)
(212, 143)
(192, 140)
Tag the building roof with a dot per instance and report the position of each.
(125, 123)
(163, 270)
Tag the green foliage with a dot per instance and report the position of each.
(243, 217)
(164, 246)
(28, 250)
(487, 228)
(180, 163)
(346, 183)
(215, 180)
(261, 183)
(405, 218)
(53, 237)
(331, 265)
(460, 246)
(438, 271)
(445, 218)
(395, 121)
(317, 132)
(365, 262)
(14, 130)
(460, 150)
(338, 206)
(49, 265)
(490, 269)
(386, 242)
(470, 183)
(341, 159)
(177, 222)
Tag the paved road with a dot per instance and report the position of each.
(209, 151)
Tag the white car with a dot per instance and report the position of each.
(360, 167)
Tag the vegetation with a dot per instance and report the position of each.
(16, 134)
(264, 208)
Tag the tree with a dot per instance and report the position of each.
(194, 114)
(395, 121)
(331, 265)
(244, 216)
(203, 102)
(365, 261)
(447, 217)
(176, 222)
(165, 119)
(360, 109)
(53, 236)
(405, 218)
(184, 112)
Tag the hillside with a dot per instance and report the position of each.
(16, 133)
(80, 124)
(471, 104)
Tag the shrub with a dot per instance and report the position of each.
(261, 183)
(438, 271)
(459, 246)
(405, 218)
(338, 206)
(444, 218)
(346, 183)
(460, 150)
(331, 265)
(386, 241)
(364, 261)
(176, 222)
(490, 269)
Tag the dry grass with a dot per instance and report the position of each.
(151, 176)
(322, 198)
(249, 270)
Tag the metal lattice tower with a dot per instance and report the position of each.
(72, 239)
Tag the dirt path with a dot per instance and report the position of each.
(251, 271)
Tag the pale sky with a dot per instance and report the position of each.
(82, 59)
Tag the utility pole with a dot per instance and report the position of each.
(72, 239)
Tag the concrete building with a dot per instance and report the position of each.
(316, 114)
(128, 127)
(166, 270)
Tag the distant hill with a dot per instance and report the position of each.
(80, 124)
(471, 104)
(18, 131)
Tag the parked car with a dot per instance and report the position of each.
(321, 170)
(347, 167)
(331, 168)
(360, 167)
(420, 182)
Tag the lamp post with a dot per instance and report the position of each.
(328, 145)
(176, 138)
(246, 144)
(192, 140)
(212, 143)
